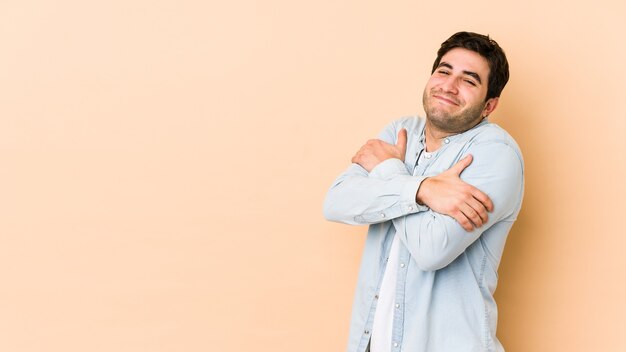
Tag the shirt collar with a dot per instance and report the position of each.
(422, 138)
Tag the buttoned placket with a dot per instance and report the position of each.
(398, 316)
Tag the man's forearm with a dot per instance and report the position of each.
(447, 194)
(358, 197)
(435, 239)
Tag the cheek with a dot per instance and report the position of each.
(471, 97)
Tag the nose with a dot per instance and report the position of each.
(450, 85)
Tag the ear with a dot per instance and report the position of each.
(490, 106)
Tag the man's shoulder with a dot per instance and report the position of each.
(411, 123)
(492, 134)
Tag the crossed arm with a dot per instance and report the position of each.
(445, 193)
(378, 187)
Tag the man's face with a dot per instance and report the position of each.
(454, 97)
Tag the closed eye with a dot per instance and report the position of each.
(470, 82)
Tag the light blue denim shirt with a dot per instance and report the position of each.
(446, 276)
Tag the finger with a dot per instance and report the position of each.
(461, 165)
(483, 198)
(479, 208)
(402, 137)
(463, 221)
(472, 215)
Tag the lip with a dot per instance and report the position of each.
(446, 100)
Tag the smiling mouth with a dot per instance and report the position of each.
(446, 100)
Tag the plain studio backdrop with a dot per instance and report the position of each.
(163, 166)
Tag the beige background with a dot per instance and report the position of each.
(163, 165)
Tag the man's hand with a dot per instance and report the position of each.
(376, 151)
(447, 194)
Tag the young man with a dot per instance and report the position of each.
(429, 266)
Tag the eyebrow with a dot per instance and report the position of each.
(469, 73)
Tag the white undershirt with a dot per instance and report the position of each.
(383, 318)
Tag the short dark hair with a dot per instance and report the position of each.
(487, 48)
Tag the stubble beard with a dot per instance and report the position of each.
(451, 123)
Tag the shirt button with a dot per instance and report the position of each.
(395, 344)
(446, 141)
(366, 332)
(382, 215)
(410, 208)
(427, 156)
(376, 296)
(402, 265)
(397, 305)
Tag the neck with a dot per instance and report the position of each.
(434, 136)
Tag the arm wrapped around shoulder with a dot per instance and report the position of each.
(435, 240)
